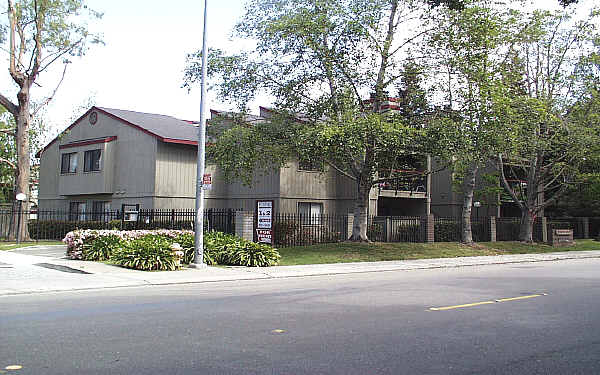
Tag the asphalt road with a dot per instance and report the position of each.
(372, 323)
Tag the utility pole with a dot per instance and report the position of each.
(201, 164)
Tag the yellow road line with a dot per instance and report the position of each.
(486, 302)
(461, 306)
(518, 298)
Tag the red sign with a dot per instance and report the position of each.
(207, 181)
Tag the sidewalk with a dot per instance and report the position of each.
(25, 274)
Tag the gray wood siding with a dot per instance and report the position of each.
(128, 164)
(307, 184)
(49, 173)
(175, 171)
(100, 182)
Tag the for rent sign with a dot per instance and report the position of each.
(264, 222)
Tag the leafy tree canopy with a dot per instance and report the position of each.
(320, 60)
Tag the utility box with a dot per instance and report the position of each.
(561, 237)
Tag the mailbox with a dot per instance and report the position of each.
(130, 212)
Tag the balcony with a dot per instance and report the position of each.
(405, 187)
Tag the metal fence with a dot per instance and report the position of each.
(54, 225)
(574, 223)
(298, 230)
(449, 229)
(594, 227)
(289, 229)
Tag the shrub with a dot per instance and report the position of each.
(285, 231)
(101, 247)
(447, 231)
(251, 254)
(375, 232)
(148, 253)
(151, 250)
(407, 232)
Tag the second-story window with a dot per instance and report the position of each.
(92, 160)
(68, 163)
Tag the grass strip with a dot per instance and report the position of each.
(347, 252)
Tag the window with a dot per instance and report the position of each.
(101, 211)
(310, 213)
(91, 161)
(77, 211)
(310, 165)
(68, 163)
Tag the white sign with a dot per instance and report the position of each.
(265, 215)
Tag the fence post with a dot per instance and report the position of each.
(492, 228)
(544, 229)
(230, 223)
(585, 223)
(429, 222)
(350, 225)
(388, 229)
(244, 225)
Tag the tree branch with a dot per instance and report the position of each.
(9, 131)
(6, 161)
(10, 107)
(506, 185)
(48, 99)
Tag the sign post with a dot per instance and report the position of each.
(264, 222)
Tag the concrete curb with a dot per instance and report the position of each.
(30, 278)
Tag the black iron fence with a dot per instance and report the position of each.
(54, 225)
(298, 230)
(289, 229)
(449, 229)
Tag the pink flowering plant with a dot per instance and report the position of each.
(79, 240)
(155, 250)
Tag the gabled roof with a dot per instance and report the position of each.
(166, 128)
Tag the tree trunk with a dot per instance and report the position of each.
(22, 119)
(359, 229)
(468, 190)
(526, 226)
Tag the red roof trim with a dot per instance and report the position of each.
(39, 153)
(179, 141)
(111, 116)
(90, 142)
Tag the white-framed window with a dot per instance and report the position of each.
(68, 163)
(310, 213)
(92, 160)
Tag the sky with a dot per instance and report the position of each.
(141, 66)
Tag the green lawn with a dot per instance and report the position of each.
(362, 252)
(13, 245)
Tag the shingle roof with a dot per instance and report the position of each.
(166, 128)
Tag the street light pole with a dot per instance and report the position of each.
(199, 220)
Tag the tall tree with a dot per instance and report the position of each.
(468, 48)
(8, 151)
(553, 134)
(40, 33)
(320, 60)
